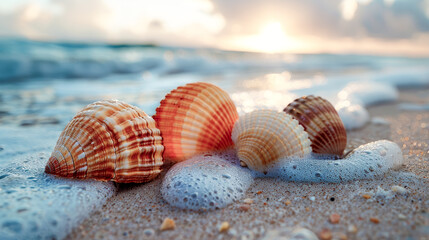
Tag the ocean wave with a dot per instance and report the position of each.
(25, 59)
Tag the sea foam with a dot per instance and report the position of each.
(34, 205)
(205, 182)
(365, 162)
(215, 181)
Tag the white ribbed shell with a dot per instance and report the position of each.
(264, 136)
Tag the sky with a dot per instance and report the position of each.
(388, 27)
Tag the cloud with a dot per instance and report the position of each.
(400, 19)
(66, 20)
(312, 25)
(375, 19)
(186, 22)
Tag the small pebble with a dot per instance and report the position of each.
(224, 227)
(366, 196)
(312, 198)
(334, 218)
(398, 189)
(167, 224)
(352, 229)
(374, 220)
(248, 201)
(402, 216)
(325, 234)
(244, 207)
(148, 232)
(287, 202)
(258, 192)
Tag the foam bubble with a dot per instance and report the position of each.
(34, 205)
(205, 182)
(366, 162)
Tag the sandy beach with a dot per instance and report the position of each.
(393, 207)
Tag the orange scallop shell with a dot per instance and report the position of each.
(108, 141)
(195, 118)
(322, 123)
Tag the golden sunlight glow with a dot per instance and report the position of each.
(270, 39)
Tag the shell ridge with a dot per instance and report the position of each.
(263, 137)
(69, 155)
(195, 118)
(59, 163)
(104, 132)
(95, 137)
(322, 123)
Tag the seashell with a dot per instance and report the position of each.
(195, 118)
(322, 123)
(263, 137)
(108, 141)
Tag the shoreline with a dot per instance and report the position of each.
(137, 210)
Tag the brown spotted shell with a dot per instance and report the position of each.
(195, 118)
(322, 123)
(264, 137)
(108, 141)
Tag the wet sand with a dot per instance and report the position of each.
(368, 209)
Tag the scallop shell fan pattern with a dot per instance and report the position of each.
(322, 123)
(195, 118)
(108, 141)
(263, 137)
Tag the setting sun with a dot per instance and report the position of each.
(271, 39)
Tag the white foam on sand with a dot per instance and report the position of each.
(365, 162)
(34, 205)
(205, 182)
(214, 181)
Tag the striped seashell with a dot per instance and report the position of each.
(263, 137)
(108, 141)
(195, 118)
(322, 123)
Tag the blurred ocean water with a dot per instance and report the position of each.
(23, 59)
